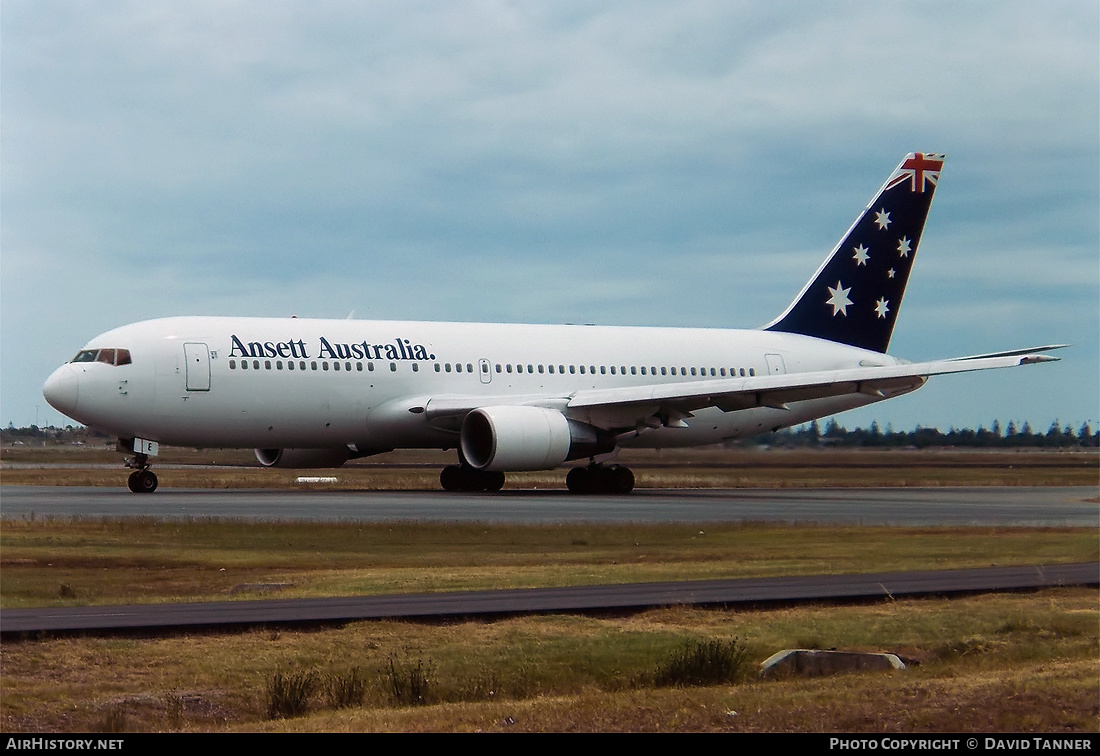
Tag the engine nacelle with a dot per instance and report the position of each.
(303, 459)
(507, 438)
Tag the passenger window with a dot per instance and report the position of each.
(232, 364)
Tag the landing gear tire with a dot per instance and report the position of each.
(600, 479)
(464, 478)
(142, 481)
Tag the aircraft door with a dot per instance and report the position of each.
(196, 358)
(775, 364)
(484, 371)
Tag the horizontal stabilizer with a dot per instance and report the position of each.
(1017, 353)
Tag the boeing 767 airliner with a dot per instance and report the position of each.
(316, 393)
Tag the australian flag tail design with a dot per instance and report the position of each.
(855, 296)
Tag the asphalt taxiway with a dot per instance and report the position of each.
(632, 596)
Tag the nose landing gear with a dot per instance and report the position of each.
(142, 479)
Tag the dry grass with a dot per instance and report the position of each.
(1013, 662)
(135, 560)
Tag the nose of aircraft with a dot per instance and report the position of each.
(61, 390)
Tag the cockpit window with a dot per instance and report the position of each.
(107, 356)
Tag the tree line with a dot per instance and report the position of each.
(1011, 436)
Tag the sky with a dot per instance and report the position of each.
(641, 163)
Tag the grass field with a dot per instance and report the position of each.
(992, 663)
(64, 562)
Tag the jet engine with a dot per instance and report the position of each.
(303, 459)
(527, 438)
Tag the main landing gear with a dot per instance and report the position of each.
(466, 478)
(600, 479)
(593, 479)
(142, 479)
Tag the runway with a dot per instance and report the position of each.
(990, 507)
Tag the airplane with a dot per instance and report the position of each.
(316, 393)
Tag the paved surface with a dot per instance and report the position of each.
(996, 507)
(488, 603)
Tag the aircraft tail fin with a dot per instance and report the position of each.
(855, 295)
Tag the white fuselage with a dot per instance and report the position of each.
(371, 385)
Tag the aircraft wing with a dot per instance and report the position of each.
(731, 394)
(672, 402)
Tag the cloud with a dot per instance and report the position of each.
(687, 164)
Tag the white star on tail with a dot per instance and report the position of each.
(881, 307)
(861, 255)
(839, 299)
(882, 219)
(903, 246)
